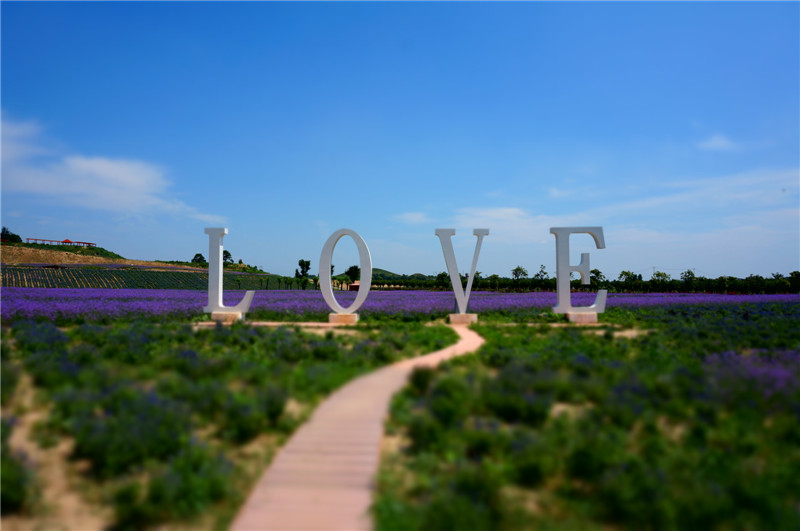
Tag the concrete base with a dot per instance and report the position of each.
(343, 318)
(582, 317)
(227, 317)
(463, 318)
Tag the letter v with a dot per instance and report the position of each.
(462, 298)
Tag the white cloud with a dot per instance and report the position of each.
(414, 218)
(125, 186)
(557, 193)
(709, 200)
(737, 224)
(513, 225)
(18, 140)
(717, 142)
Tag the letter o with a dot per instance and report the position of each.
(325, 260)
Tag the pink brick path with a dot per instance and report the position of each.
(323, 477)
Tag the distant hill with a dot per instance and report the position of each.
(383, 274)
(23, 253)
(37, 253)
(72, 249)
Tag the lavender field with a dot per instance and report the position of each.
(692, 424)
(65, 305)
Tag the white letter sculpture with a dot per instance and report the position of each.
(344, 315)
(215, 307)
(462, 297)
(579, 314)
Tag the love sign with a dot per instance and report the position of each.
(563, 271)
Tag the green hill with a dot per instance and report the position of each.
(85, 251)
(383, 274)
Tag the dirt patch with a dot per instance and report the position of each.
(572, 411)
(26, 255)
(62, 506)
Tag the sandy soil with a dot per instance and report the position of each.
(61, 507)
(25, 255)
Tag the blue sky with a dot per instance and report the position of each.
(674, 126)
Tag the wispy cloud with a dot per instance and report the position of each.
(414, 218)
(17, 140)
(710, 200)
(125, 186)
(511, 224)
(717, 142)
(729, 224)
(558, 193)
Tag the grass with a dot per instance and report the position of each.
(170, 424)
(694, 425)
(84, 251)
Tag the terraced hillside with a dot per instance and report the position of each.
(27, 267)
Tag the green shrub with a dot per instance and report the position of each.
(470, 500)
(134, 427)
(186, 486)
(449, 400)
(425, 433)
(17, 490)
(420, 380)
(9, 377)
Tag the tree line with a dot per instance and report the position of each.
(627, 281)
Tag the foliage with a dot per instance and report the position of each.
(541, 274)
(353, 272)
(134, 278)
(18, 489)
(75, 306)
(74, 249)
(519, 272)
(10, 237)
(691, 425)
(159, 410)
(305, 265)
(190, 482)
(45, 276)
(199, 259)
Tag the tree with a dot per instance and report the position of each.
(354, 272)
(9, 236)
(199, 259)
(476, 280)
(305, 265)
(794, 281)
(629, 276)
(688, 276)
(660, 276)
(597, 278)
(542, 274)
(442, 280)
(519, 272)
(226, 257)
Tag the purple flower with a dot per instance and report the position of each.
(92, 303)
(772, 374)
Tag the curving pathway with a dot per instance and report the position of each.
(323, 477)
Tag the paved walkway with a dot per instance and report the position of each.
(323, 477)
